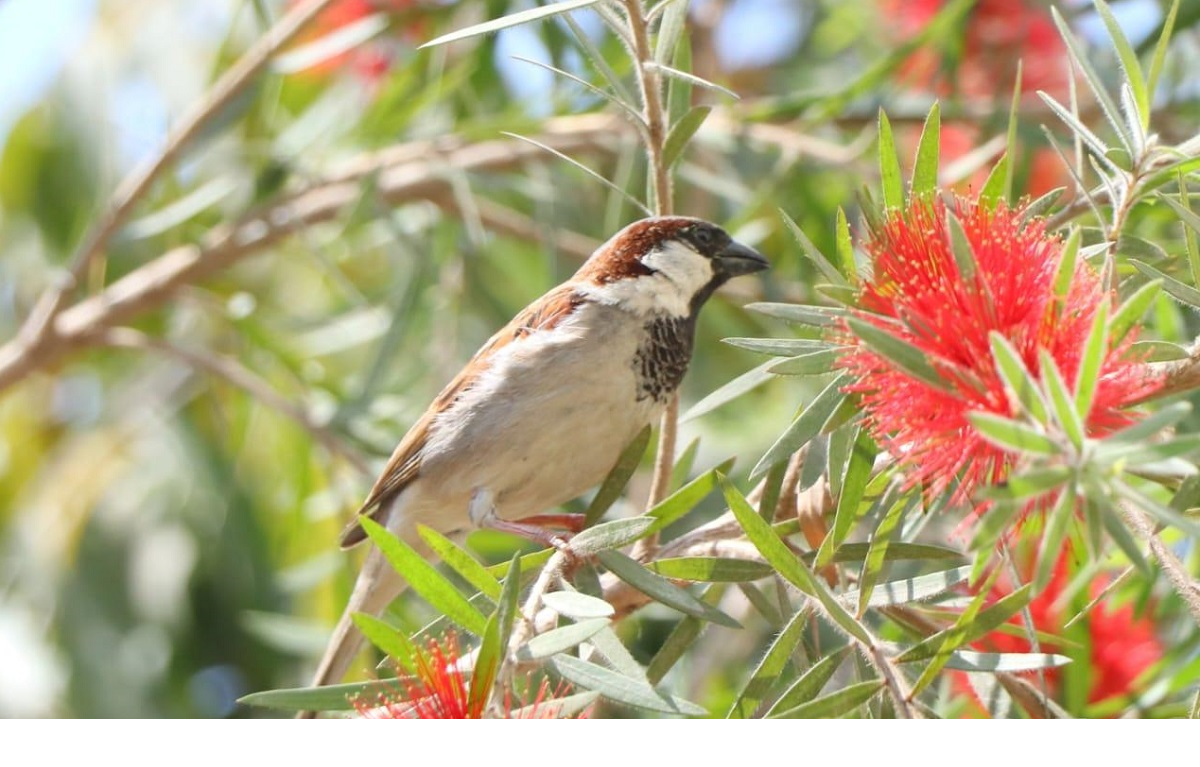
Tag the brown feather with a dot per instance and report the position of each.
(405, 464)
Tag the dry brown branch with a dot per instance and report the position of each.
(1184, 585)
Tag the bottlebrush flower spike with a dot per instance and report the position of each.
(440, 691)
(919, 294)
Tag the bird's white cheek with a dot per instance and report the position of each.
(685, 268)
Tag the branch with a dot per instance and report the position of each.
(1187, 589)
(134, 187)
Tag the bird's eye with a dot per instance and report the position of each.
(703, 237)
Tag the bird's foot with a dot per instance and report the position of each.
(482, 512)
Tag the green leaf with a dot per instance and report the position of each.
(775, 551)
(577, 606)
(948, 640)
(1030, 483)
(1129, 63)
(813, 364)
(424, 579)
(1160, 51)
(845, 246)
(1065, 276)
(682, 637)
(727, 393)
(908, 590)
(889, 166)
(1152, 424)
(487, 664)
(780, 347)
(766, 675)
(670, 31)
(995, 188)
(1065, 408)
(834, 704)
(1158, 351)
(685, 498)
(1011, 435)
(1051, 546)
(1091, 361)
(1016, 377)
(391, 642)
(816, 316)
(660, 589)
(810, 683)
(1004, 662)
(807, 425)
(461, 562)
(682, 132)
(528, 563)
(507, 608)
(823, 264)
(1132, 310)
(333, 697)
(1163, 514)
(512, 20)
(960, 248)
(925, 171)
(1179, 291)
(562, 638)
(710, 569)
(1120, 535)
(620, 688)
(610, 535)
(854, 485)
(1041, 205)
(1093, 80)
(618, 477)
(904, 355)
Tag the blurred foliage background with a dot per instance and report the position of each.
(171, 489)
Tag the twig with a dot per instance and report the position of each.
(1187, 589)
(135, 186)
(231, 371)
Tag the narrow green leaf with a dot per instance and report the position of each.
(823, 264)
(528, 563)
(925, 171)
(1065, 275)
(391, 642)
(683, 467)
(461, 562)
(1092, 360)
(909, 590)
(512, 20)
(1016, 377)
(889, 166)
(487, 664)
(661, 590)
(816, 316)
(1101, 151)
(620, 688)
(1051, 546)
(834, 704)
(1131, 311)
(577, 606)
(1011, 435)
(906, 356)
(1093, 80)
(710, 569)
(766, 675)
(684, 499)
(1065, 407)
(995, 188)
(424, 579)
(507, 608)
(629, 198)
(670, 31)
(681, 638)
(812, 364)
(610, 535)
(775, 551)
(727, 393)
(1158, 351)
(618, 477)
(1160, 51)
(1042, 205)
(1120, 535)
(334, 697)
(854, 485)
(845, 246)
(969, 630)
(960, 248)
(1029, 484)
(807, 425)
(809, 685)
(1004, 662)
(780, 347)
(876, 557)
(560, 639)
(682, 132)
(852, 553)
(1163, 514)
(1129, 63)
(841, 446)
(1152, 423)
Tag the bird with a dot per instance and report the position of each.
(544, 409)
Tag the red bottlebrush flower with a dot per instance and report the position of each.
(440, 691)
(1121, 646)
(916, 282)
(369, 62)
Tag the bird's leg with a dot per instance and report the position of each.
(482, 513)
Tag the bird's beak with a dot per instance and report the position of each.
(736, 259)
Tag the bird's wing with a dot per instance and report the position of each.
(405, 464)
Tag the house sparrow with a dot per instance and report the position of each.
(542, 412)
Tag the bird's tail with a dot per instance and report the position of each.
(378, 584)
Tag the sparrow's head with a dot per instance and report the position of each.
(669, 264)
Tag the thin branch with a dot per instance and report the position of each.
(135, 186)
(1187, 588)
(232, 372)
